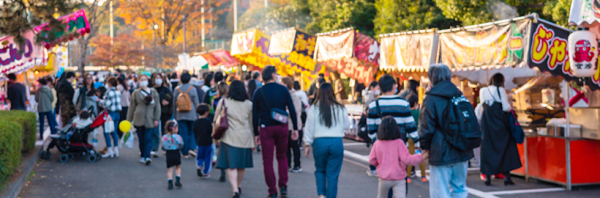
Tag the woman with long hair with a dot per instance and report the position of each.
(85, 96)
(499, 153)
(144, 115)
(325, 125)
(166, 108)
(252, 86)
(235, 154)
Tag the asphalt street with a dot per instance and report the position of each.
(126, 177)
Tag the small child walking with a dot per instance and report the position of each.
(172, 143)
(390, 155)
(203, 131)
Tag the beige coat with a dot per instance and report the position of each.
(298, 107)
(140, 114)
(239, 115)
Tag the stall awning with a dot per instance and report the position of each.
(76, 25)
(351, 53)
(11, 61)
(408, 51)
(187, 62)
(584, 12)
(225, 58)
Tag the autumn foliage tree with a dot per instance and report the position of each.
(126, 50)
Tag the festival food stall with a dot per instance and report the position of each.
(408, 55)
(554, 150)
(352, 54)
(295, 49)
(251, 48)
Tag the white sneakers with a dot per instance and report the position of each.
(153, 154)
(192, 153)
(372, 173)
(111, 152)
(146, 160)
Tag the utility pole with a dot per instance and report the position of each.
(266, 3)
(184, 20)
(203, 27)
(235, 25)
(155, 61)
(111, 23)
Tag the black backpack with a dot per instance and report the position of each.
(461, 129)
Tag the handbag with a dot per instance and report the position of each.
(277, 114)
(109, 126)
(515, 128)
(221, 123)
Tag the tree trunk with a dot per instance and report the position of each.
(83, 46)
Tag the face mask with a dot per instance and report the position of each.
(377, 92)
(158, 81)
(144, 83)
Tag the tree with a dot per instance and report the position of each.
(125, 50)
(96, 12)
(402, 15)
(334, 15)
(18, 16)
(470, 12)
(275, 17)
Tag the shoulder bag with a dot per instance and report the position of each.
(221, 123)
(277, 114)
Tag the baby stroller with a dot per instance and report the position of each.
(72, 141)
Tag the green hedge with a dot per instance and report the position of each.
(28, 121)
(11, 135)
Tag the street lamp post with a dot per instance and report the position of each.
(154, 40)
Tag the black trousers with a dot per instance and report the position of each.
(294, 147)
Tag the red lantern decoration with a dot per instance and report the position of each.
(583, 53)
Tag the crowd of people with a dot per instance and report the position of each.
(220, 118)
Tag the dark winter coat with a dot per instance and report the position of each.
(434, 113)
(499, 153)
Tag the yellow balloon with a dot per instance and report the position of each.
(125, 126)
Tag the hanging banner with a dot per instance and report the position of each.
(407, 52)
(225, 58)
(76, 25)
(366, 49)
(352, 68)
(242, 43)
(282, 42)
(334, 46)
(549, 53)
(13, 60)
(486, 47)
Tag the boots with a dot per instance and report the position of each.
(109, 153)
(116, 151)
(170, 184)
(177, 183)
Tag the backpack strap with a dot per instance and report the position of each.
(190, 88)
(378, 109)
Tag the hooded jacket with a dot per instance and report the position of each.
(433, 113)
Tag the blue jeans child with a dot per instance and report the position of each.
(204, 158)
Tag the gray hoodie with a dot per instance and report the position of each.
(44, 97)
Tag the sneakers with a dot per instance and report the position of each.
(206, 176)
(296, 169)
(143, 160)
(148, 161)
(424, 179)
(153, 154)
(185, 156)
(372, 173)
(283, 191)
(192, 153)
(199, 172)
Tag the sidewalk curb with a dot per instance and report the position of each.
(13, 190)
(356, 156)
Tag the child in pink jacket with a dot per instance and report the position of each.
(390, 155)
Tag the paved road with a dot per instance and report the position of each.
(126, 177)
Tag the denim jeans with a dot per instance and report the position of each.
(187, 134)
(204, 158)
(156, 138)
(145, 138)
(444, 177)
(51, 122)
(116, 117)
(329, 155)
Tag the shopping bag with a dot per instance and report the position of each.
(127, 140)
(109, 125)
